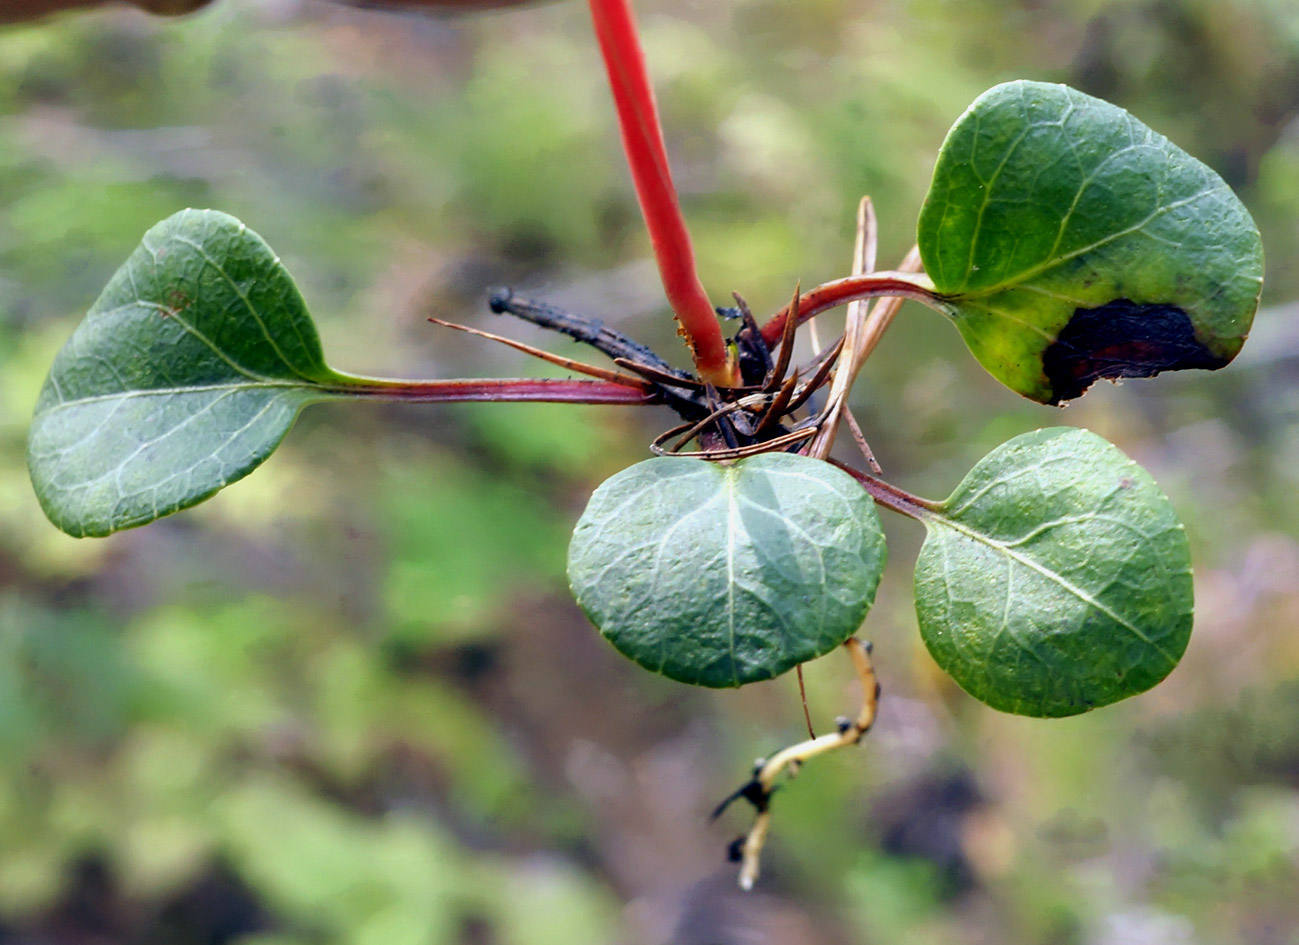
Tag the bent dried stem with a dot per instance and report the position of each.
(758, 790)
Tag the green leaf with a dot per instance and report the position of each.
(1056, 578)
(184, 376)
(1074, 243)
(725, 574)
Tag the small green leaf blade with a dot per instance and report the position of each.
(1056, 578)
(724, 574)
(1074, 243)
(184, 376)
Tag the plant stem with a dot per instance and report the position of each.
(890, 496)
(864, 253)
(642, 141)
(762, 785)
(512, 390)
(906, 285)
(862, 332)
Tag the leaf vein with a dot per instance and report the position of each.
(243, 297)
(1064, 584)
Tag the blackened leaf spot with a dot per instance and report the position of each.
(1122, 339)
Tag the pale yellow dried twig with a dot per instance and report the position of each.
(863, 329)
(758, 790)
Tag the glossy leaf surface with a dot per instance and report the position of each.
(184, 376)
(725, 574)
(1056, 578)
(1074, 243)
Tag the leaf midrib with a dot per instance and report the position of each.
(242, 295)
(1047, 265)
(1056, 578)
(181, 391)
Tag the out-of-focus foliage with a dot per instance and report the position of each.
(349, 700)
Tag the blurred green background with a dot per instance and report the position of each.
(349, 700)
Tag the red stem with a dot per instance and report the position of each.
(826, 296)
(515, 390)
(642, 140)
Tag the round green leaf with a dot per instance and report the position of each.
(1074, 243)
(1056, 578)
(725, 574)
(186, 373)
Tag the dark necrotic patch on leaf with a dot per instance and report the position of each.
(1122, 338)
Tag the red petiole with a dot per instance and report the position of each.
(515, 390)
(907, 285)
